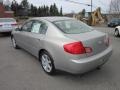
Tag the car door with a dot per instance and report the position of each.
(36, 37)
(22, 36)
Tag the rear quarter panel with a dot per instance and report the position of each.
(54, 43)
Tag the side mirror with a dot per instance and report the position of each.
(18, 29)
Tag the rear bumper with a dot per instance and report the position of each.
(5, 30)
(87, 64)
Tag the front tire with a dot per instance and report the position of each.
(47, 63)
(116, 33)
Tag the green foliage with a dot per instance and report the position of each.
(25, 4)
(61, 13)
(24, 8)
(83, 12)
(15, 7)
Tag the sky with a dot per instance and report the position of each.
(69, 7)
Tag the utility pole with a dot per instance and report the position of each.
(91, 6)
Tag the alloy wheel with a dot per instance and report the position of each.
(46, 63)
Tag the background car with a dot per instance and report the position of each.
(117, 31)
(114, 22)
(63, 43)
(7, 24)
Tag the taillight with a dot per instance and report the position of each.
(76, 48)
(107, 41)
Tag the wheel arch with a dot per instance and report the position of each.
(118, 28)
(42, 50)
(11, 36)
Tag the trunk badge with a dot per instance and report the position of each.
(100, 42)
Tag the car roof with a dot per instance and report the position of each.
(54, 18)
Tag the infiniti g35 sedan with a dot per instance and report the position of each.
(62, 43)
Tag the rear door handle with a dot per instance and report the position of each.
(38, 39)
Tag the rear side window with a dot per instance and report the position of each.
(43, 28)
(7, 20)
(36, 27)
(72, 26)
(39, 27)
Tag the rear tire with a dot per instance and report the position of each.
(14, 43)
(116, 33)
(47, 63)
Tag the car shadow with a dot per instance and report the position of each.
(97, 76)
(4, 35)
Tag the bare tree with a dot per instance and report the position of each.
(114, 8)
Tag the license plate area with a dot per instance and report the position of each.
(7, 26)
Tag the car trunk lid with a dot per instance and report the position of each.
(8, 24)
(93, 39)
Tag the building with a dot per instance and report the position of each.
(4, 13)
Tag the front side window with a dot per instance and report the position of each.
(27, 26)
(72, 26)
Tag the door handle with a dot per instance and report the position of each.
(38, 39)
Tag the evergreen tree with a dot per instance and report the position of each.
(83, 12)
(39, 12)
(14, 7)
(24, 9)
(55, 10)
(51, 10)
(31, 10)
(47, 11)
(25, 4)
(61, 12)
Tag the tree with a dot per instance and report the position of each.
(83, 13)
(55, 10)
(61, 12)
(47, 11)
(14, 7)
(25, 7)
(31, 10)
(114, 8)
(7, 5)
(51, 10)
(25, 4)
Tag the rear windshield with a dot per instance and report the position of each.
(7, 20)
(72, 26)
(115, 20)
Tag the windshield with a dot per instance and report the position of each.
(72, 26)
(7, 20)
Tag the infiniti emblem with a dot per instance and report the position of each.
(100, 42)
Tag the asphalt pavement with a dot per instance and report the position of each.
(20, 70)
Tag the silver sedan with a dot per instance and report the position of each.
(62, 43)
(7, 24)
